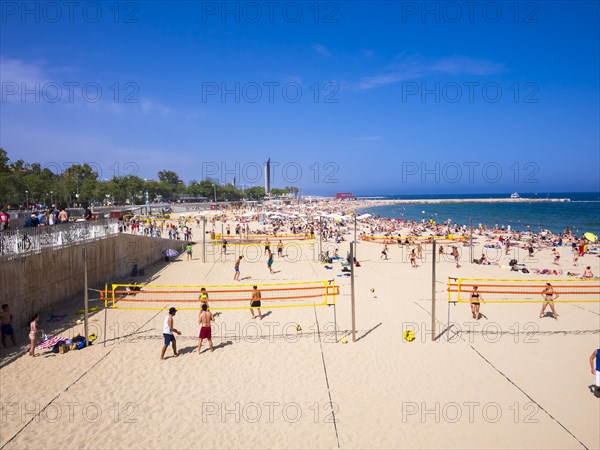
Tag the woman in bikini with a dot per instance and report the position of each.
(33, 331)
(475, 299)
(549, 296)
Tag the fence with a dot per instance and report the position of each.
(25, 241)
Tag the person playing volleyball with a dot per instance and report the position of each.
(255, 302)
(237, 269)
(270, 262)
(475, 299)
(204, 320)
(204, 297)
(549, 296)
(169, 331)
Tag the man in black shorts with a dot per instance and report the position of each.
(255, 302)
(6, 325)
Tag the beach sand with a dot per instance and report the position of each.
(516, 381)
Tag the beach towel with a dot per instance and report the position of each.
(51, 342)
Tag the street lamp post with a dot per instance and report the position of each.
(215, 192)
(26, 199)
(51, 198)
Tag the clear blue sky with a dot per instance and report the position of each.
(394, 98)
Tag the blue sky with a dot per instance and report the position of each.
(369, 97)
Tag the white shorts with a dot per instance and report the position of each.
(598, 378)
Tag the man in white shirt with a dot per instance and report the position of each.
(169, 334)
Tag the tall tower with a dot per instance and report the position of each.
(268, 176)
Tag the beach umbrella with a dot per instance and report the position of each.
(590, 237)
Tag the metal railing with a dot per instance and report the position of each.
(24, 241)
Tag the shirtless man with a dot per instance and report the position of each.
(255, 302)
(6, 322)
(587, 273)
(456, 256)
(237, 269)
(549, 296)
(205, 319)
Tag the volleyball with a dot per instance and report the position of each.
(409, 336)
(344, 341)
(372, 289)
(298, 328)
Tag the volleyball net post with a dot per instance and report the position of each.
(450, 301)
(433, 294)
(105, 310)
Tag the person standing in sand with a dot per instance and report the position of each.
(595, 366)
(384, 252)
(33, 331)
(169, 331)
(280, 249)
(204, 297)
(255, 302)
(419, 251)
(204, 320)
(475, 299)
(413, 258)
(556, 256)
(549, 296)
(6, 325)
(237, 268)
(456, 256)
(267, 246)
(270, 262)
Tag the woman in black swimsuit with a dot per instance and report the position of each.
(475, 299)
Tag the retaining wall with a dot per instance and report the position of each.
(43, 282)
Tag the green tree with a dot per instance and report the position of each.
(255, 192)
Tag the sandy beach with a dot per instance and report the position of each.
(509, 380)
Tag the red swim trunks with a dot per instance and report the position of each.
(205, 333)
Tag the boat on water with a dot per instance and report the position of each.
(515, 195)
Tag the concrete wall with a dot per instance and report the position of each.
(44, 282)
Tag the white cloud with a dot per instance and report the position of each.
(321, 50)
(417, 67)
(29, 83)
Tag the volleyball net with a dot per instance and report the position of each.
(491, 290)
(221, 297)
(391, 239)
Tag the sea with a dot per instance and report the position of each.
(581, 213)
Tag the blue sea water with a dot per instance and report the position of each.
(581, 214)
